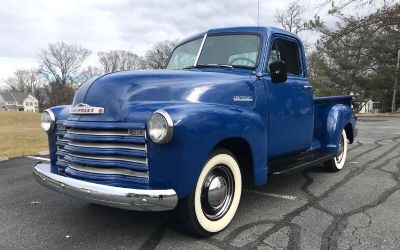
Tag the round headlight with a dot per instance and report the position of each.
(47, 121)
(160, 127)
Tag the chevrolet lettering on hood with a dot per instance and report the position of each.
(85, 109)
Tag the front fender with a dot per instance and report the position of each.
(197, 130)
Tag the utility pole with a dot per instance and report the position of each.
(258, 13)
(396, 82)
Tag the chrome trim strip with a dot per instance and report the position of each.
(112, 171)
(110, 158)
(200, 49)
(125, 198)
(97, 132)
(111, 145)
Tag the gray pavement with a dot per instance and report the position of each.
(356, 208)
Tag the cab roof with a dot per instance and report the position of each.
(265, 31)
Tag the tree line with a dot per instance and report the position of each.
(60, 72)
(359, 55)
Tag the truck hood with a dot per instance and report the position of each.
(123, 93)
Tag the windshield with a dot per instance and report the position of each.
(218, 50)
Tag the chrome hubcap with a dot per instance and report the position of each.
(341, 151)
(217, 192)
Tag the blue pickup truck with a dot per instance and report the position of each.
(233, 106)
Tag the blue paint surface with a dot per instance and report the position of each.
(281, 119)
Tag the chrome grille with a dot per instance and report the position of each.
(61, 142)
(110, 149)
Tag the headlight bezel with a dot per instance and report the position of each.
(52, 121)
(169, 126)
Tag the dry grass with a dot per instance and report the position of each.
(21, 134)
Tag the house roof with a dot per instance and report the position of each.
(13, 96)
(7, 97)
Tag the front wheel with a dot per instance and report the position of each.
(213, 203)
(336, 164)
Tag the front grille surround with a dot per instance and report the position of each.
(103, 153)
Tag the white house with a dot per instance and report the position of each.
(369, 106)
(17, 101)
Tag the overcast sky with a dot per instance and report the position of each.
(26, 26)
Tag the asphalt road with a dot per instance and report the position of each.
(356, 208)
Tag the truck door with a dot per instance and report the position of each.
(290, 103)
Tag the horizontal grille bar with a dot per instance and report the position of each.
(106, 164)
(62, 163)
(111, 145)
(105, 151)
(111, 171)
(110, 158)
(62, 140)
(61, 152)
(105, 138)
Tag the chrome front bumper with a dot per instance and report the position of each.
(126, 198)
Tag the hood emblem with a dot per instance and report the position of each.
(85, 109)
(242, 98)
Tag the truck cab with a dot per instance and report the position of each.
(233, 105)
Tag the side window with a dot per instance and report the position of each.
(288, 52)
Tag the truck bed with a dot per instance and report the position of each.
(344, 99)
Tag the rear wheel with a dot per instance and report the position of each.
(213, 203)
(336, 164)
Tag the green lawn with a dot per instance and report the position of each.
(21, 134)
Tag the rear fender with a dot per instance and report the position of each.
(337, 117)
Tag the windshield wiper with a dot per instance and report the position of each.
(209, 65)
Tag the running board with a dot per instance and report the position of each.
(295, 163)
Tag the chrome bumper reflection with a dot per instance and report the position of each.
(126, 198)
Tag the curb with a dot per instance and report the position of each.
(3, 158)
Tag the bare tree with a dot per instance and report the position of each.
(88, 73)
(337, 6)
(24, 80)
(119, 60)
(158, 56)
(291, 18)
(61, 62)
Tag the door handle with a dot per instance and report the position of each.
(307, 87)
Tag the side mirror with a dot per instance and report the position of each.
(278, 72)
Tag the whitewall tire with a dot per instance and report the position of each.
(214, 202)
(337, 163)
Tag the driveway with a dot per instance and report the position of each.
(357, 207)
